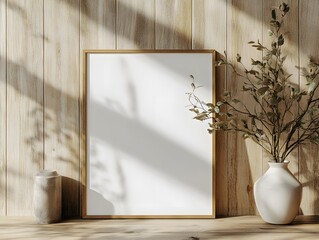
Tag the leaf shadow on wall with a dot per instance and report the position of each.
(127, 143)
(63, 137)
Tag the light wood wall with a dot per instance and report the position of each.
(41, 74)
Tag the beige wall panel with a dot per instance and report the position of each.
(135, 24)
(73, 25)
(244, 157)
(209, 32)
(98, 24)
(61, 97)
(3, 103)
(173, 29)
(209, 25)
(24, 102)
(308, 162)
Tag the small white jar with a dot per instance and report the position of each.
(47, 197)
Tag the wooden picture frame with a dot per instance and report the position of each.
(143, 154)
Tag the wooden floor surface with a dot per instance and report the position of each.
(247, 227)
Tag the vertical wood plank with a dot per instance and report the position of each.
(24, 101)
(62, 116)
(135, 24)
(173, 24)
(244, 23)
(290, 49)
(308, 43)
(98, 24)
(61, 101)
(209, 25)
(3, 103)
(98, 18)
(209, 32)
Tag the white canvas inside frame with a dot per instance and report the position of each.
(145, 154)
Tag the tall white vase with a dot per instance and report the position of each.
(278, 194)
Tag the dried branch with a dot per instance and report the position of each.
(273, 124)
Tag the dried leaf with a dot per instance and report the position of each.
(274, 101)
(266, 81)
(253, 72)
(244, 123)
(253, 122)
(238, 58)
(195, 110)
(262, 90)
(283, 58)
(209, 105)
(281, 40)
(270, 33)
(311, 87)
(219, 104)
(273, 14)
(245, 89)
(278, 88)
(284, 8)
(201, 116)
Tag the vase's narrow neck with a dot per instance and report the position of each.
(278, 165)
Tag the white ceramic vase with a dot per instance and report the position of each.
(278, 194)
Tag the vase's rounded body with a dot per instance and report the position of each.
(278, 194)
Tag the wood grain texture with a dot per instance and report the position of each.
(173, 27)
(135, 24)
(244, 157)
(209, 25)
(209, 32)
(239, 228)
(3, 104)
(72, 25)
(62, 96)
(98, 18)
(24, 102)
(308, 162)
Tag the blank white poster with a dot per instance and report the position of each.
(145, 153)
